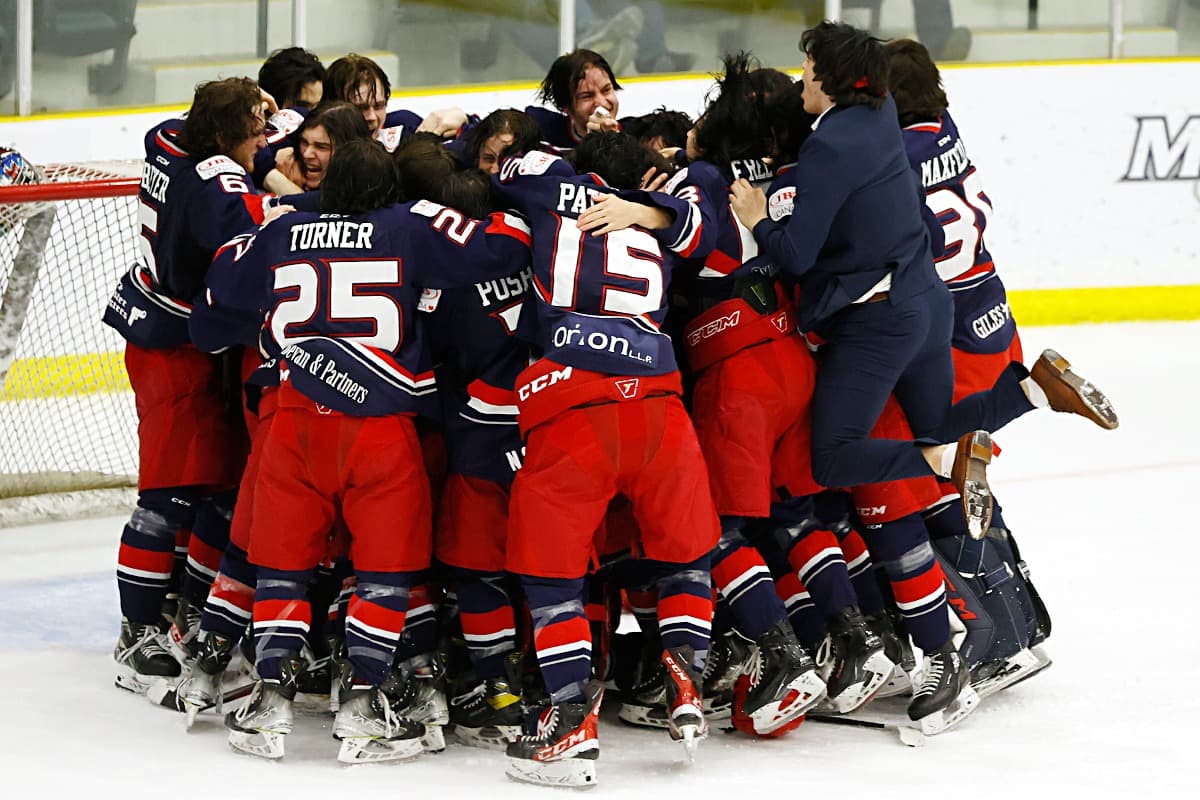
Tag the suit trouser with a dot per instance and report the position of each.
(875, 349)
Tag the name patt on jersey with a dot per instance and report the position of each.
(954, 193)
(599, 301)
(342, 292)
(472, 336)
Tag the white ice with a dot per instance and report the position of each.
(1104, 520)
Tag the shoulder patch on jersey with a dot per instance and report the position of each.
(426, 208)
(218, 165)
(679, 177)
(390, 137)
(779, 204)
(429, 300)
(536, 162)
(285, 120)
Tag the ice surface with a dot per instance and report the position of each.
(1104, 520)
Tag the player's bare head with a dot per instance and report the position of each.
(359, 80)
(469, 191)
(790, 124)
(224, 115)
(361, 177)
(502, 133)
(849, 63)
(914, 81)
(342, 122)
(294, 77)
(558, 87)
(619, 158)
(734, 124)
(660, 128)
(423, 162)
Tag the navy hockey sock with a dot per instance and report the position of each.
(146, 558)
(375, 619)
(488, 624)
(206, 546)
(282, 616)
(817, 558)
(685, 606)
(230, 601)
(561, 636)
(742, 578)
(420, 637)
(862, 571)
(918, 583)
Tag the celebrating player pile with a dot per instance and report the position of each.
(424, 404)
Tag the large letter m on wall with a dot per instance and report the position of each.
(1159, 156)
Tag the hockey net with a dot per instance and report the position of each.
(68, 426)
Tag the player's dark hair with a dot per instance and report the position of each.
(849, 62)
(734, 124)
(915, 82)
(361, 177)
(618, 158)
(790, 124)
(222, 116)
(524, 130)
(558, 88)
(767, 82)
(423, 162)
(285, 73)
(350, 71)
(670, 127)
(342, 121)
(468, 190)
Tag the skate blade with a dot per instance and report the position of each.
(720, 718)
(898, 683)
(690, 736)
(575, 772)
(1096, 404)
(491, 737)
(942, 721)
(131, 681)
(643, 716)
(365, 750)
(879, 668)
(803, 694)
(434, 740)
(1021, 667)
(264, 744)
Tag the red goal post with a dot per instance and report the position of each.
(68, 443)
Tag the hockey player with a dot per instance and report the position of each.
(195, 194)
(342, 289)
(318, 136)
(293, 76)
(486, 143)
(582, 87)
(601, 414)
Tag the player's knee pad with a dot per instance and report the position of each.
(988, 594)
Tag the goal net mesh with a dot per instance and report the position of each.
(67, 417)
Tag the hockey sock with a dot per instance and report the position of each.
(146, 558)
(602, 606)
(561, 636)
(230, 601)
(323, 595)
(817, 559)
(916, 577)
(376, 618)
(862, 572)
(282, 616)
(420, 637)
(210, 534)
(742, 577)
(685, 606)
(643, 603)
(807, 621)
(486, 613)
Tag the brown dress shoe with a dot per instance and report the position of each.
(969, 476)
(1070, 393)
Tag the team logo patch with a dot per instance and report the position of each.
(627, 387)
(218, 165)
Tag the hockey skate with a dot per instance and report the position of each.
(369, 727)
(945, 696)
(1071, 394)
(852, 661)
(488, 716)
(645, 704)
(729, 658)
(418, 694)
(560, 745)
(685, 709)
(259, 726)
(783, 684)
(969, 476)
(183, 633)
(991, 677)
(143, 658)
(898, 650)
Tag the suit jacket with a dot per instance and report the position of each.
(856, 215)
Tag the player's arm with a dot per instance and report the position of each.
(455, 250)
(229, 310)
(227, 206)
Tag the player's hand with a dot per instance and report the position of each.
(610, 213)
(654, 180)
(268, 103)
(748, 203)
(669, 153)
(601, 120)
(275, 212)
(287, 163)
(443, 121)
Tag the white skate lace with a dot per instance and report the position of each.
(934, 667)
(824, 651)
(150, 643)
(391, 721)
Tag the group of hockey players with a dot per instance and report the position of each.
(428, 405)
